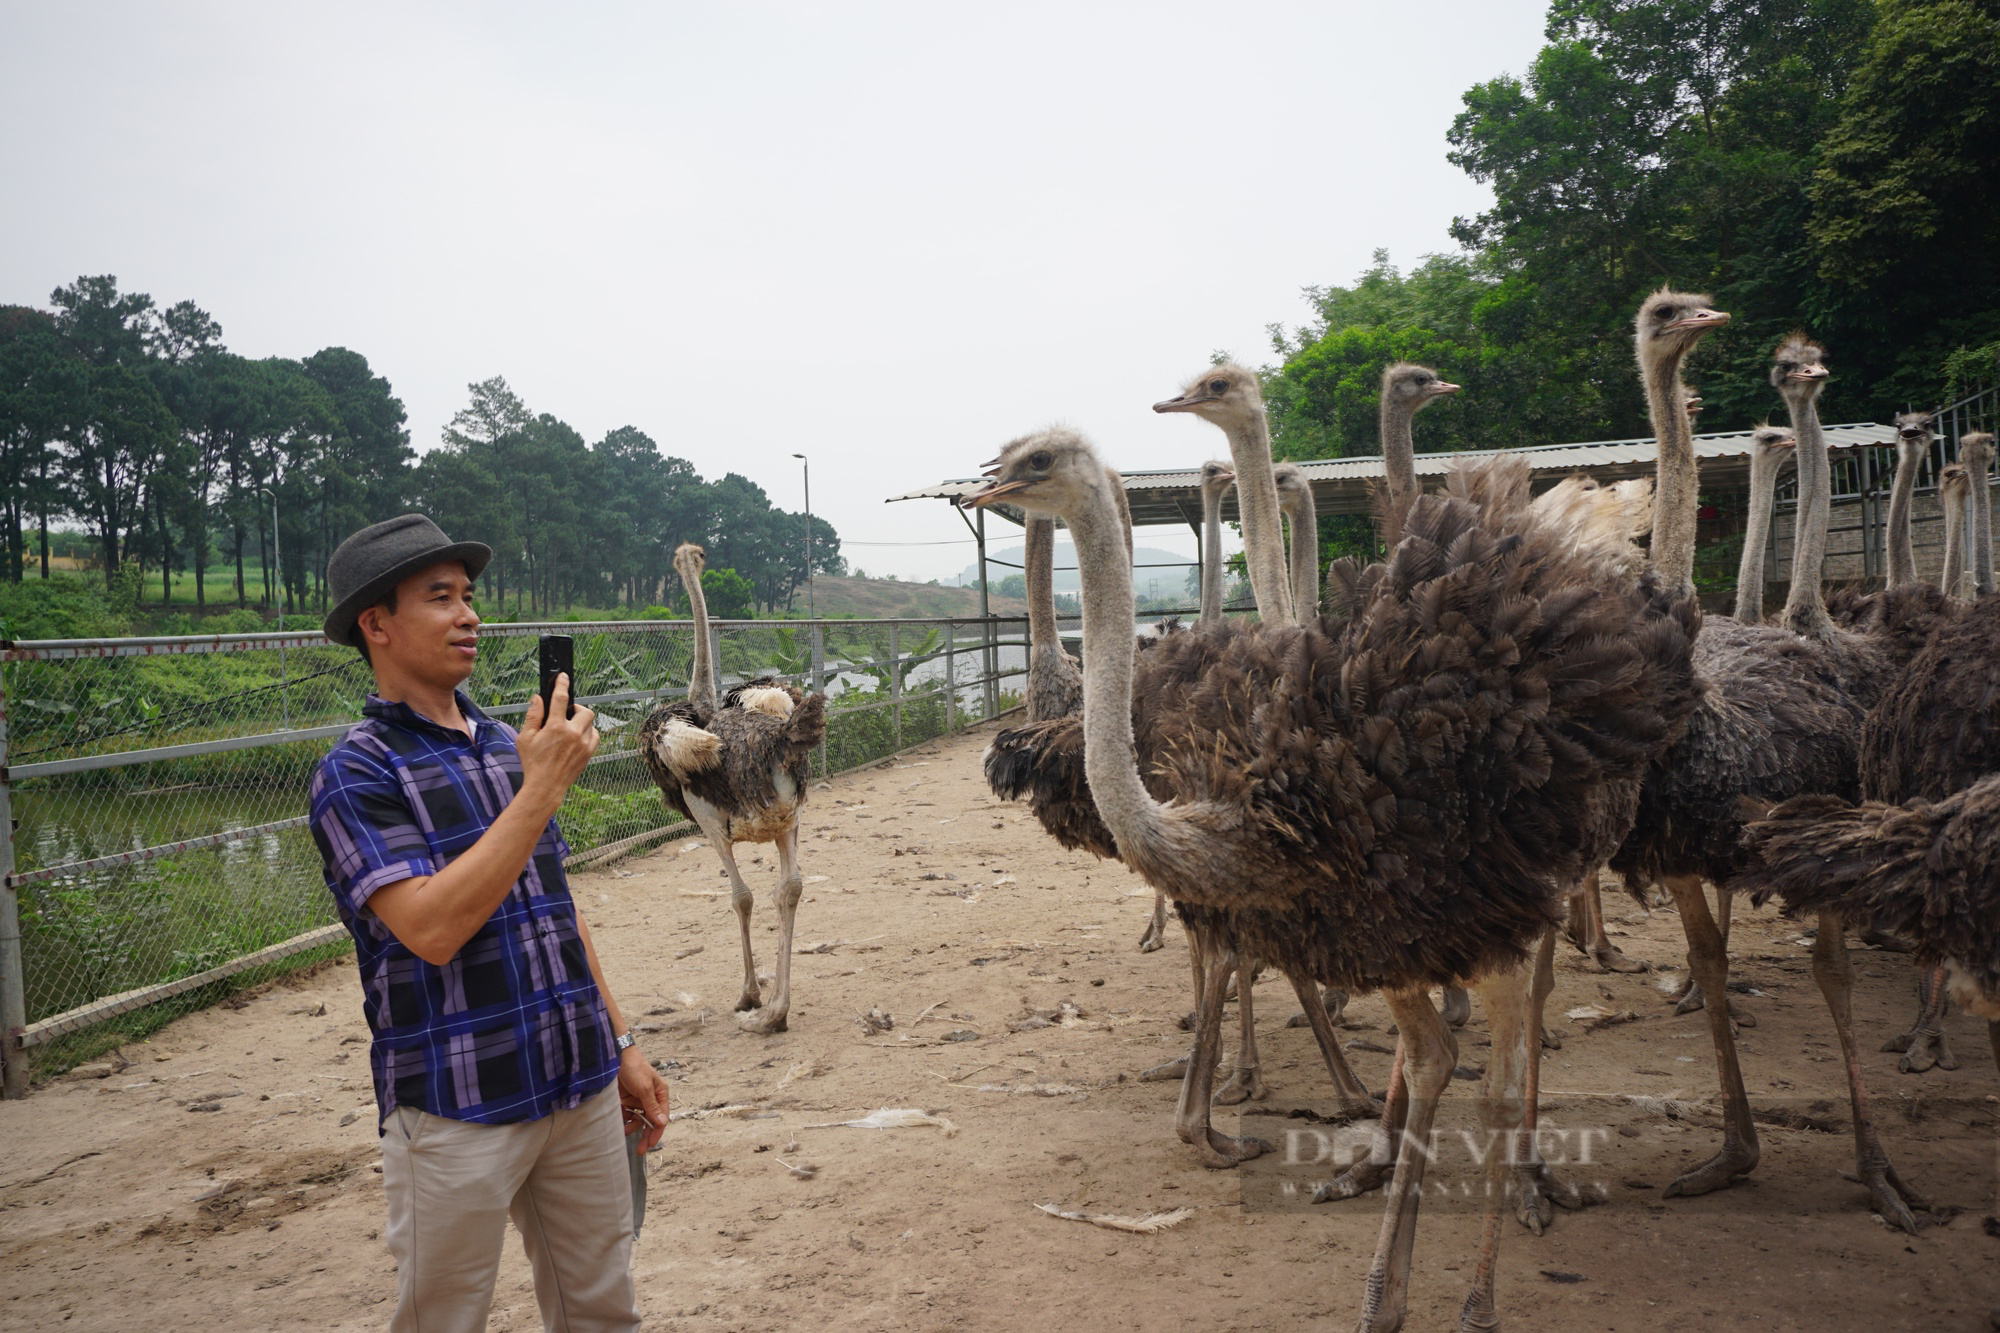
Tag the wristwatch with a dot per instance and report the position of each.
(624, 1042)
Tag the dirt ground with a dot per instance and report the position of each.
(227, 1177)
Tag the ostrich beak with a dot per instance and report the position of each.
(1186, 402)
(1786, 443)
(1443, 387)
(1809, 374)
(993, 494)
(1702, 320)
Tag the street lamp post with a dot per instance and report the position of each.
(277, 558)
(812, 607)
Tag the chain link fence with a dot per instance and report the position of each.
(154, 848)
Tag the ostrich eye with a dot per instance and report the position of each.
(1218, 386)
(1040, 462)
(1663, 312)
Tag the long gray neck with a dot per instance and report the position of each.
(1038, 564)
(701, 680)
(1765, 465)
(1141, 826)
(1211, 557)
(1399, 461)
(1979, 551)
(1303, 520)
(1952, 578)
(1805, 607)
(1263, 532)
(1902, 556)
(1676, 488)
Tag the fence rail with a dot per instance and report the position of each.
(153, 840)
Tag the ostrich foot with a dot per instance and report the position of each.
(1355, 1181)
(1477, 1315)
(1457, 1007)
(1892, 1198)
(1735, 1161)
(1922, 1051)
(1154, 939)
(762, 1021)
(751, 998)
(1539, 1191)
(1877, 939)
(1331, 998)
(1609, 957)
(1243, 1085)
(1173, 1071)
(1550, 1040)
(1692, 1000)
(1221, 1152)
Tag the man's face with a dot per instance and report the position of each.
(433, 634)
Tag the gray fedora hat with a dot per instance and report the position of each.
(368, 566)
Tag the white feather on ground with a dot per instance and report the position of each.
(1145, 1226)
(736, 1110)
(892, 1117)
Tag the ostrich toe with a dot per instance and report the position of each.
(1725, 1168)
(762, 1021)
(1539, 1191)
(1243, 1085)
(1172, 1071)
(1922, 1051)
(1609, 957)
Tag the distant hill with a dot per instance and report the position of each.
(1171, 580)
(890, 598)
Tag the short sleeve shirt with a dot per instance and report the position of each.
(512, 1027)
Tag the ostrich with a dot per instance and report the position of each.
(1913, 445)
(1770, 450)
(1295, 502)
(1055, 684)
(1389, 797)
(1954, 495)
(1406, 390)
(1976, 452)
(1216, 478)
(737, 768)
(1927, 870)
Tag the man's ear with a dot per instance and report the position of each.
(369, 623)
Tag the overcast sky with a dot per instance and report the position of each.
(889, 236)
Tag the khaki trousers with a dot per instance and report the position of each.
(452, 1186)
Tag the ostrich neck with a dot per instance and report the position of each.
(1038, 563)
(1303, 517)
(1952, 576)
(1143, 828)
(1263, 535)
(701, 680)
(1764, 468)
(1805, 608)
(1399, 462)
(1979, 551)
(1902, 556)
(1676, 493)
(1211, 557)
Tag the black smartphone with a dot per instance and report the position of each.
(558, 657)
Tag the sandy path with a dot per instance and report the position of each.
(937, 902)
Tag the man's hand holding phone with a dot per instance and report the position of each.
(554, 749)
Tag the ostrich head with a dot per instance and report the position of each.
(1797, 367)
(690, 559)
(1976, 452)
(1411, 387)
(1767, 441)
(1226, 395)
(1954, 482)
(1053, 472)
(1216, 477)
(1913, 436)
(1292, 483)
(1671, 323)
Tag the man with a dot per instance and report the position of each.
(496, 1042)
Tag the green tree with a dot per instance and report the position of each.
(729, 594)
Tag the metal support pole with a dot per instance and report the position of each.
(989, 662)
(950, 676)
(13, 980)
(896, 680)
(818, 667)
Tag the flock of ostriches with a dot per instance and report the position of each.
(1400, 779)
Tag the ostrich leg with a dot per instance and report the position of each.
(1831, 969)
(1691, 995)
(1431, 1052)
(1708, 963)
(1191, 1120)
(1355, 1099)
(1360, 1177)
(1156, 929)
(1246, 1081)
(1539, 1191)
(1331, 998)
(741, 899)
(1586, 930)
(791, 887)
(1924, 1046)
(1504, 1101)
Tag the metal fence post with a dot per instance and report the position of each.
(896, 680)
(950, 677)
(819, 679)
(13, 981)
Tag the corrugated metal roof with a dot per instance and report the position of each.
(1344, 485)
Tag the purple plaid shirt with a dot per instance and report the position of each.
(512, 1027)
